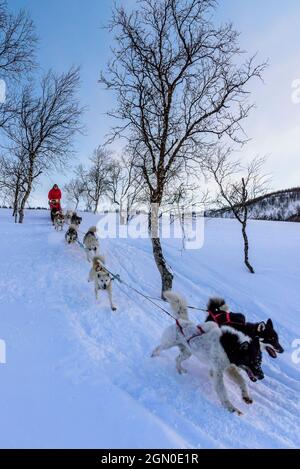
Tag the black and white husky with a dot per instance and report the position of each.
(224, 349)
(219, 312)
(71, 234)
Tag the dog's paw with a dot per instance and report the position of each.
(234, 410)
(247, 399)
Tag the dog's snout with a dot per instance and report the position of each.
(260, 375)
(104, 287)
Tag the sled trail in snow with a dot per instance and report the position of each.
(78, 374)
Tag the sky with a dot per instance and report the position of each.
(71, 33)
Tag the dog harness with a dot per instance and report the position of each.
(222, 321)
(216, 316)
(201, 332)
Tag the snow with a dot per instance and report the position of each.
(79, 375)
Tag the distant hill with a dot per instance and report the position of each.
(283, 205)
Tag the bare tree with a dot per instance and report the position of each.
(95, 178)
(124, 186)
(181, 86)
(17, 43)
(17, 53)
(75, 189)
(42, 129)
(13, 179)
(235, 193)
(183, 198)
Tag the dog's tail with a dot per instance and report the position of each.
(92, 229)
(178, 304)
(99, 258)
(216, 304)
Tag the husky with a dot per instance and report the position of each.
(75, 220)
(224, 349)
(219, 312)
(91, 243)
(59, 221)
(68, 217)
(101, 278)
(54, 211)
(71, 235)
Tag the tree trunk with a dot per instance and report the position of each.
(246, 249)
(121, 214)
(96, 206)
(24, 200)
(166, 275)
(22, 206)
(16, 198)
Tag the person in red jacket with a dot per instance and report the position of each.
(54, 197)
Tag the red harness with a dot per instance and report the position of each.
(201, 332)
(215, 317)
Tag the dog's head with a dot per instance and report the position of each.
(103, 277)
(101, 272)
(216, 305)
(250, 358)
(71, 235)
(59, 217)
(76, 220)
(269, 338)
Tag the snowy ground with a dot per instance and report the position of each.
(78, 375)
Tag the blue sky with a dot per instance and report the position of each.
(71, 34)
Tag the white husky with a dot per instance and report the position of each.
(101, 278)
(223, 349)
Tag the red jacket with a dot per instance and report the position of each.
(54, 194)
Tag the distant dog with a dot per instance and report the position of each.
(219, 312)
(223, 349)
(91, 243)
(75, 220)
(71, 235)
(101, 278)
(59, 220)
(53, 213)
(68, 216)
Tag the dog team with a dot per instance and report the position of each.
(98, 273)
(226, 342)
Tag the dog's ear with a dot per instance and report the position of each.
(261, 326)
(244, 346)
(270, 323)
